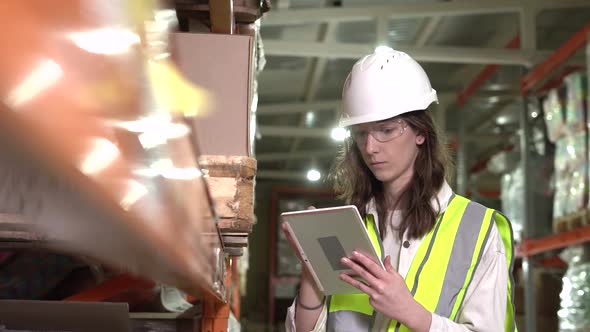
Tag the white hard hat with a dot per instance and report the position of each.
(382, 85)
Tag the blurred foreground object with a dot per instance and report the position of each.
(98, 153)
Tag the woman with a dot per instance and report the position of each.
(448, 260)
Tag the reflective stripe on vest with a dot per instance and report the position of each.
(505, 230)
(455, 246)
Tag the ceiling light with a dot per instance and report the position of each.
(502, 120)
(339, 134)
(313, 175)
(534, 114)
(309, 117)
(494, 99)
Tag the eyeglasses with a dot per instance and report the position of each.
(382, 132)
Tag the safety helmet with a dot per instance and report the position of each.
(382, 85)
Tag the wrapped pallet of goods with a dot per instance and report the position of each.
(512, 199)
(561, 179)
(575, 100)
(574, 312)
(554, 115)
(575, 165)
(575, 115)
(512, 192)
(565, 115)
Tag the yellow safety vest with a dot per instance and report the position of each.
(441, 270)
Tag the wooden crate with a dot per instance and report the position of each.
(231, 184)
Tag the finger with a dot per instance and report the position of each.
(388, 266)
(369, 264)
(357, 284)
(351, 273)
(362, 272)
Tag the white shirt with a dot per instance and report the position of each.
(484, 307)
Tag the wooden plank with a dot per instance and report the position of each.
(231, 183)
(234, 198)
(228, 166)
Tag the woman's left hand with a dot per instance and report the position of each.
(387, 290)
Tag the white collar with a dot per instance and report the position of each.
(444, 195)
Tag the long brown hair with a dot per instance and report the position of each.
(356, 184)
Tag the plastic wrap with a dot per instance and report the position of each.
(512, 192)
(576, 171)
(574, 314)
(554, 116)
(513, 199)
(88, 89)
(503, 162)
(587, 83)
(570, 174)
(575, 100)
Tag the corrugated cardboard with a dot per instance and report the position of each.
(222, 64)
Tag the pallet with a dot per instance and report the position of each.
(231, 183)
(571, 222)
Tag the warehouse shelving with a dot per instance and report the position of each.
(539, 79)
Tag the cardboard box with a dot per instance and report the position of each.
(223, 65)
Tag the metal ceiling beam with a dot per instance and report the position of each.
(382, 30)
(326, 33)
(284, 108)
(528, 25)
(285, 131)
(483, 77)
(331, 105)
(409, 10)
(280, 175)
(427, 30)
(352, 14)
(283, 4)
(280, 156)
(466, 55)
(541, 5)
(468, 73)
